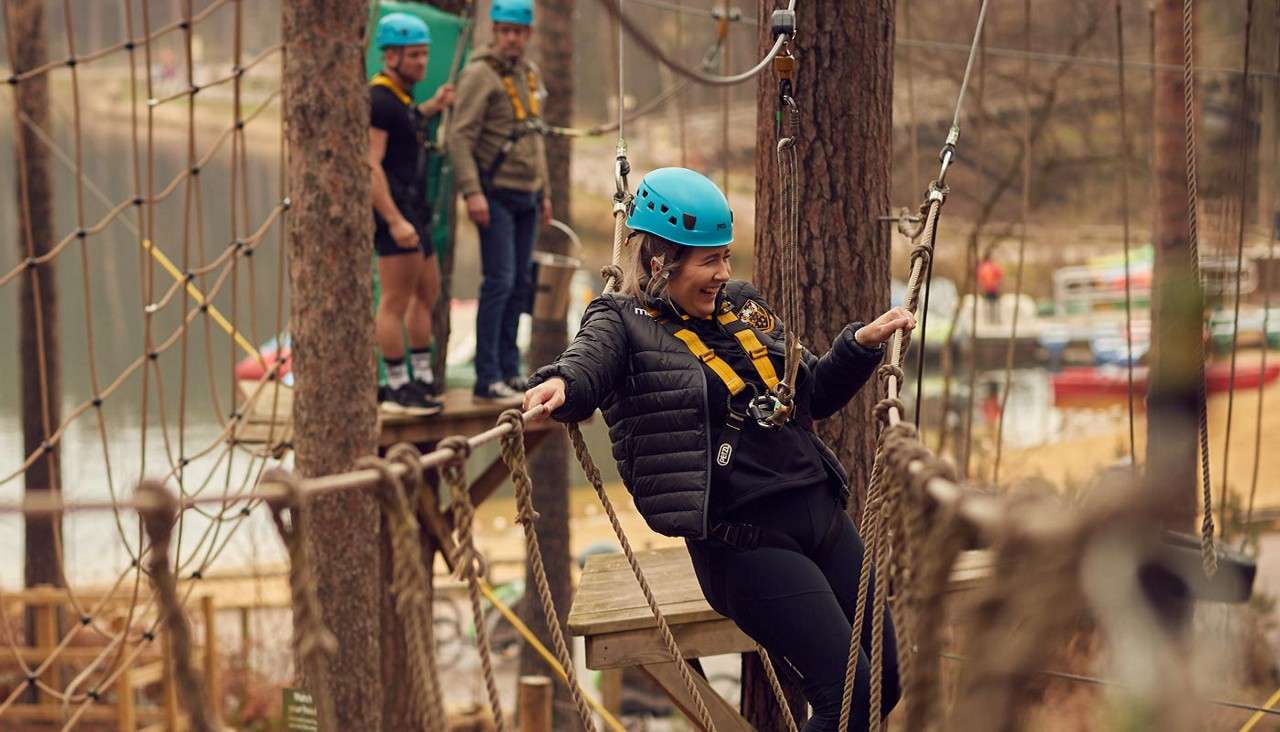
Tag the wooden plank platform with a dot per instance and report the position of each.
(611, 614)
(268, 409)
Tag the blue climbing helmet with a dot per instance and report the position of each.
(682, 206)
(515, 12)
(402, 29)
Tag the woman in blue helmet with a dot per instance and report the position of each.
(675, 361)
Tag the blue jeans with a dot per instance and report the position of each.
(506, 251)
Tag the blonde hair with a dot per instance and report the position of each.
(637, 278)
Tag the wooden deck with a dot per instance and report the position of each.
(610, 612)
(267, 418)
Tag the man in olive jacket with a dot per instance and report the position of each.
(500, 165)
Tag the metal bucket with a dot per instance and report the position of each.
(552, 274)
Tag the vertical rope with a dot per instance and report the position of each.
(664, 630)
(409, 584)
(1124, 210)
(313, 643)
(468, 564)
(1208, 554)
(870, 532)
(514, 456)
(779, 695)
(1022, 239)
(159, 522)
(1235, 321)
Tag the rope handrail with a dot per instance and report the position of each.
(614, 7)
(359, 479)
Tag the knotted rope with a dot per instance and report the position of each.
(467, 562)
(664, 630)
(312, 640)
(410, 583)
(158, 521)
(514, 456)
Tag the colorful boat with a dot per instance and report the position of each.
(1111, 382)
(251, 368)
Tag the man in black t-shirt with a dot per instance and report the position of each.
(407, 268)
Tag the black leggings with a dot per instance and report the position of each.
(799, 606)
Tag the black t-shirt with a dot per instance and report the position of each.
(404, 160)
(766, 461)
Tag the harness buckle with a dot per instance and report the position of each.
(739, 536)
(763, 409)
(707, 356)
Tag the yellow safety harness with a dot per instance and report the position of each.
(745, 336)
(527, 121)
(384, 81)
(531, 79)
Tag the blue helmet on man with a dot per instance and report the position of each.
(682, 206)
(515, 12)
(402, 29)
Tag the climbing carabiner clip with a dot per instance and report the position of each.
(764, 409)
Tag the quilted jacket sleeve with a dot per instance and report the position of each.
(840, 372)
(592, 365)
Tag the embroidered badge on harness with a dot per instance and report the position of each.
(758, 317)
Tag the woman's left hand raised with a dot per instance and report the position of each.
(882, 328)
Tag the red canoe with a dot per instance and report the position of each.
(251, 369)
(1090, 382)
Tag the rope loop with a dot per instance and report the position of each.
(910, 225)
(607, 272)
(881, 410)
(890, 369)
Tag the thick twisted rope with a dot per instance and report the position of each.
(1208, 555)
(409, 583)
(514, 456)
(870, 531)
(664, 630)
(158, 522)
(313, 642)
(467, 563)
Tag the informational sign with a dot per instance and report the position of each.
(300, 711)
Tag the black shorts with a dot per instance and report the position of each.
(385, 246)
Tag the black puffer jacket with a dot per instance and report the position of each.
(653, 393)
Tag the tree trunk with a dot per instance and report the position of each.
(844, 80)
(549, 465)
(334, 416)
(1176, 347)
(37, 297)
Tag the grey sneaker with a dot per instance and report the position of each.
(497, 391)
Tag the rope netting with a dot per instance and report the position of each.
(158, 163)
(917, 521)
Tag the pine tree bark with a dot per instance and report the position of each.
(549, 464)
(334, 416)
(38, 349)
(844, 80)
(1176, 347)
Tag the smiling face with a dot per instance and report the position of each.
(510, 39)
(409, 62)
(694, 285)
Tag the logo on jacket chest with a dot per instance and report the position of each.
(755, 315)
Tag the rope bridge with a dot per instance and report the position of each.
(918, 517)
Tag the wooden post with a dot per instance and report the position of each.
(326, 118)
(212, 673)
(534, 704)
(126, 714)
(246, 637)
(611, 690)
(46, 637)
